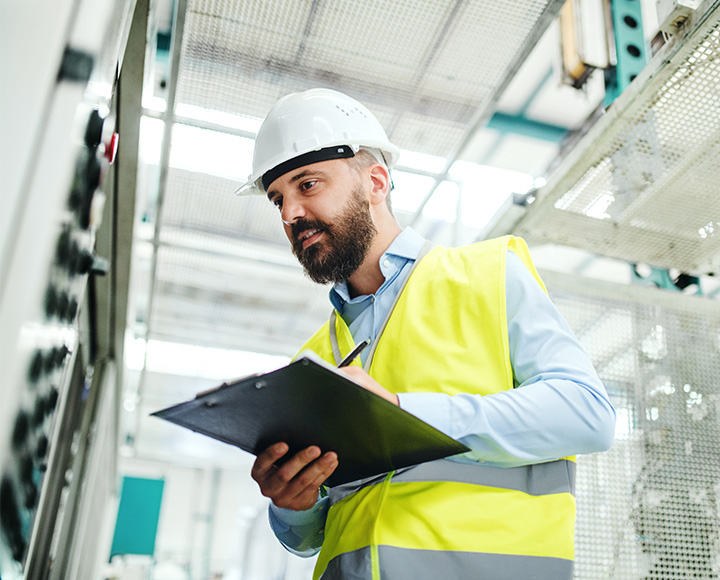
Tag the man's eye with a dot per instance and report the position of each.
(305, 185)
(277, 202)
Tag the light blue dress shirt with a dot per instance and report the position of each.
(558, 408)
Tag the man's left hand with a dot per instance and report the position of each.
(367, 382)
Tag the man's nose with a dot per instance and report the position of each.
(291, 211)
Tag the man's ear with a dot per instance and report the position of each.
(380, 177)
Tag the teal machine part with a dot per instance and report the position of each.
(662, 279)
(631, 49)
(138, 516)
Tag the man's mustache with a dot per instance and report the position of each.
(303, 225)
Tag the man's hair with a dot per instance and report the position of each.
(364, 159)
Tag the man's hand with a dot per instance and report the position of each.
(359, 375)
(294, 485)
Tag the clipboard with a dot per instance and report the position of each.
(309, 402)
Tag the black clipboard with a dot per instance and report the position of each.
(309, 402)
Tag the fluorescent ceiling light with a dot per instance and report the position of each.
(421, 161)
(198, 150)
(485, 189)
(198, 361)
(489, 178)
(211, 152)
(241, 122)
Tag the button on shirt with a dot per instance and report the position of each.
(558, 408)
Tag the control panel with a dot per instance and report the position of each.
(58, 141)
(47, 348)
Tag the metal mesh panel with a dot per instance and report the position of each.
(639, 186)
(197, 202)
(424, 68)
(233, 301)
(648, 509)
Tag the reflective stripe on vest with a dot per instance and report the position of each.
(538, 479)
(402, 564)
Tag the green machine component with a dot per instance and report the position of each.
(138, 516)
(632, 52)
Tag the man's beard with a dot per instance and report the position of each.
(344, 246)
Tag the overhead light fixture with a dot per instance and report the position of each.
(485, 189)
(221, 118)
(197, 149)
(197, 361)
(421, 162)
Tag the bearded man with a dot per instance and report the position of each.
(464, 338)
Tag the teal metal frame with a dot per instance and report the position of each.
(632, 51)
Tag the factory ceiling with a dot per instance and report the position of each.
(470, 91)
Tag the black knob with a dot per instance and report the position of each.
(36, 367)
(51, 301)
(38, 415)
(59, 354)
(20, 430)
(63, 301)
(25, 467)
(51, 401)
(76, 66)
(42, 447)
(71, 310)
(85, 182)
(63, 249)
(9, 515)
(93, 131)
(18, 546)
(48, 361)
(92, 176)
(83, 261)
(31, 495)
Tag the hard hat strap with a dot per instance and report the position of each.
(335, 152)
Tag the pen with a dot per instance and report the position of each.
(353, 353)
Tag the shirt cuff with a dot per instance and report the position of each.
(301, 532)
(293, 518)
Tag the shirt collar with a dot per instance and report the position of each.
(407, 244)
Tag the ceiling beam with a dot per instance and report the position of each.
(177, 36)
(485, 110)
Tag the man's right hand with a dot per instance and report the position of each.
(295, 484)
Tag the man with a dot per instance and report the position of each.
(464, 338)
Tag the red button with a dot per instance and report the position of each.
(111, 149)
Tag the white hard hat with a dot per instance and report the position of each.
(312, 126)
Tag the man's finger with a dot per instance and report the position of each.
(293, 466)
(315, 474)
(264, 464)
(305, 486)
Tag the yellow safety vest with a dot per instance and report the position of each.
(445, 519)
